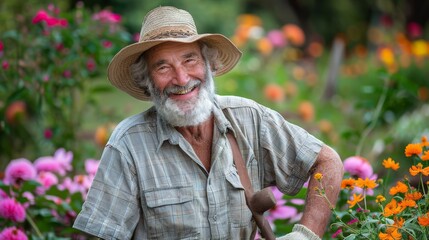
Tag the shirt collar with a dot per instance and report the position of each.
(167, 132)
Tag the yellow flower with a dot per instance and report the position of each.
(420, 48)
(318, 176)
(390, 163)
(366, 184)
(348, 184)
(413, 149)
(425, 156)
(380, 199)
(356, 198)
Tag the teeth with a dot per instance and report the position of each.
(184, 91)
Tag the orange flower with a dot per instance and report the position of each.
(414, 170)
(392, 208)
(425, 142)
(348, 183)
(423, 220)
(390, 163)
(264, 46)
(414, 195)
(274, 93)
(366, 184)
(318, 176)
(306, 111)
(294, 34)
(386, 56)
(399, 188)
(398, 222)
(413, 149)
(391, 234)
(356, 198)
(408, 203)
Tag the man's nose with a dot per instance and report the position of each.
(181, 77)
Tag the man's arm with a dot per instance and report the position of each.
(317, 211)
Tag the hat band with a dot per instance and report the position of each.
(171, 34)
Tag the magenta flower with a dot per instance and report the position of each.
(11, 209)
(47, 179)
(19, 170)
(43, 16)
(280, 211)
(106, 16)
(1, 46)
(59, 163)
(91, 166)
(13, 233)
(5, 64)
(48, 132)
(358, 166)
(91, 65)
(337, 233)
(276, 38)
(106, 44)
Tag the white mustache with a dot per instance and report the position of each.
(182, 89)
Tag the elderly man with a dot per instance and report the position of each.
(169, 172)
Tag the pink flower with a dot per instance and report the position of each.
(19, 170)
(47, 179)
(106, 16)
(5, 64)
(280, 211)
(338, 232)
(358, 166)
(59, 163)
(91, 166)
(91, 65)
(43, 16)
(12, 233)
(67, 74)
(48, 133)
(276, 38)
(106, 44)
(11, 209)
(414, 29)
(1, 46)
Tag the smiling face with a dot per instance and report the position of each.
(181, 84)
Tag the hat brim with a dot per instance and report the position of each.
(119, 73)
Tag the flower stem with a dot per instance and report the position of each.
(34, 226)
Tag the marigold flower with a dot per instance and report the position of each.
(423, 220)
(425, 142)
(380, 199)
(306, 111)
(348, 183)
(294, 34)
(413, 149)
(414, 170)
(355, 199)
(318, 176)
(264, 46)
(366, 183)
(408, 203)
(392, 208)
(399, 188)
(390, 163)
(414, 195)
(398, 222)
(391, 234)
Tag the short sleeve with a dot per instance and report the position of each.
(289, 152)
(111, 208)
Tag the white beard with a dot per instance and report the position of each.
(186, 113)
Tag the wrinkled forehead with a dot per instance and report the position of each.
(169, 48)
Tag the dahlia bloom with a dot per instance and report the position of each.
(11, 209)
(19, 170)
(13, 233)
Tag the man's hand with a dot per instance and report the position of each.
(300, 232)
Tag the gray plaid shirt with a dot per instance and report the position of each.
(151, 185)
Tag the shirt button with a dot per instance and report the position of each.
(215, 218)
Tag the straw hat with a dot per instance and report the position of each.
(166, 24)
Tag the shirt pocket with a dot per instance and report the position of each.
(238, 212)
(170, 213)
